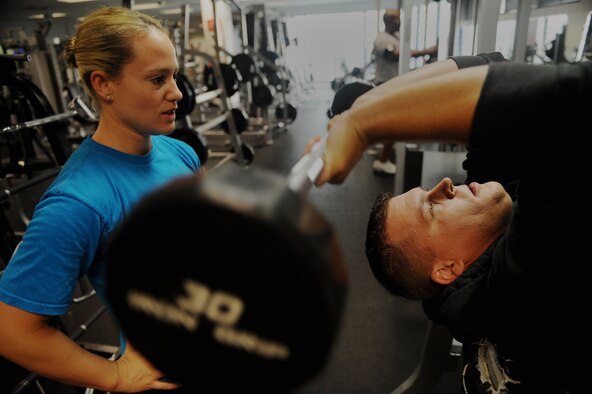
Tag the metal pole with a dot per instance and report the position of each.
(486, 26)
(522, 21)
(217, 42)
(243, 22)
(452, 31)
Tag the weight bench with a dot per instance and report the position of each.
(441, 353)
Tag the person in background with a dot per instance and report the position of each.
(386, 56)
(128, 66)
(498, 260)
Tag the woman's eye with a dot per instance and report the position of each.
(158, 80)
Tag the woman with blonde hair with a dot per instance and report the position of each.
(128, 66)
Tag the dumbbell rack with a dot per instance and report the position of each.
(283, 111)
(257, 130)
(239, 151)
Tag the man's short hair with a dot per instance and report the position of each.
(401, 268)
(391, 14)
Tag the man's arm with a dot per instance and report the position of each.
(427, 71)
(392, 53)
(433, 50)
(434, 108)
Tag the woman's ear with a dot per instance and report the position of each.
(102, 85)
(445, 272)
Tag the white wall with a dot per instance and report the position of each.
(576, 16)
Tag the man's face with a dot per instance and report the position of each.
(393, 23)
(454, 222)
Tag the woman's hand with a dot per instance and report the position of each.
(136, 374)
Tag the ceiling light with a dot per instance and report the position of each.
(54, 15)
(74, 1)
(147, 6)
(172, 11)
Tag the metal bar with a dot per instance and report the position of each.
(212, 122)
(78, 107)
(207, 96)
(6, 193)
(37, 122)
(21, 58)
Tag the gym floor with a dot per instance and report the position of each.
(381, 338)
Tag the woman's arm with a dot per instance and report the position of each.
(30, 341)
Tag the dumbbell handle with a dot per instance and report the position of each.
(306, 171)
(38, 122)
(19, 57)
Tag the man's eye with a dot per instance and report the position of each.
(158, 80)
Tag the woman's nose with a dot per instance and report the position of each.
(176, 94)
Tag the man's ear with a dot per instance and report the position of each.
(445, 272)
(102, 84)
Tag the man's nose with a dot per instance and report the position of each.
(445, 188)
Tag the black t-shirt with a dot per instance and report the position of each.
(527, 293)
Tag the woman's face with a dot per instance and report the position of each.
(145, 93)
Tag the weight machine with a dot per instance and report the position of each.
(193, 125)
(21, 102)
(259, 62)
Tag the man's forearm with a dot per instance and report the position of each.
(427, 71)
(435, 104)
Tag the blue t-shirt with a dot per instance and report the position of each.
(74, 218)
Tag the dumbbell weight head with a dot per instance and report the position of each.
(186, 105)
(229, 76)
(228, 283)
(241, 121)
(194, 140)
(291, 112)
(262, 96)
(245, 65)
(346, 95)
(278, 83)
(272, 58)
(247, 152)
